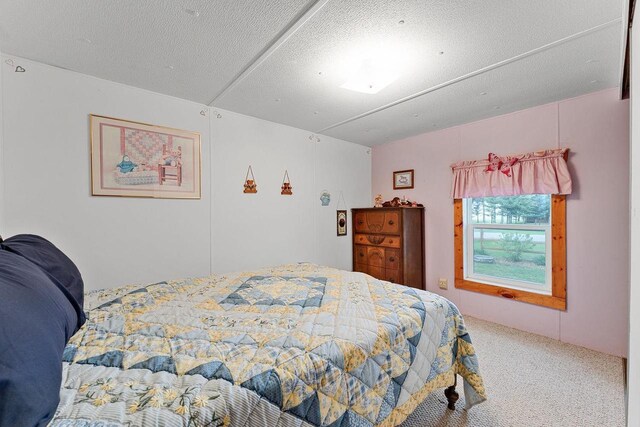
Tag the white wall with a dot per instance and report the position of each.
(633, 403)
(268, 228)
(122, 240)
(47, 179)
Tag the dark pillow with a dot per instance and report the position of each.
(60, 269)
(36, 321)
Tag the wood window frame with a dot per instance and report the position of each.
(558, 297)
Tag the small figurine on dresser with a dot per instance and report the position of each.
(396, 202)
(378, 201)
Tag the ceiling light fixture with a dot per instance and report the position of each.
(192, 12)
(372, 76)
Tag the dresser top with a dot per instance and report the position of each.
(386, 208)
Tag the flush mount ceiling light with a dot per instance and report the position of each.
(369, 65)
(191, 12)
(372, 76)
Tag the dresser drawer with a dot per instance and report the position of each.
(360, 255)
(392, 276)
(377, 272)
(361, 268)
(377, 240)
(392, 259)
(377, 222)
(375, 256)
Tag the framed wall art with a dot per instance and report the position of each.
(403, 179)
(341, 220)
(132, 159)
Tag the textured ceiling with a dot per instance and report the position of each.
(285, 60)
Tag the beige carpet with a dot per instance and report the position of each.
(533, 381)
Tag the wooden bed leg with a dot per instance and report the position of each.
(451, 394)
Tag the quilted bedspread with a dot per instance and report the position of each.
(295, 345)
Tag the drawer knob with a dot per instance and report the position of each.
(361, 254)
(392, 259)
(390, 241)
(360, 222)
(391, 222)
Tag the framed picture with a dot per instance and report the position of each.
(342, 222)
(403, 179)
(131, 159)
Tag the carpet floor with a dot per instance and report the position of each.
(533, 381)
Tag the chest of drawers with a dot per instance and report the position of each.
(388, 244)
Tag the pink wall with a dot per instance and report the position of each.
(596, 129)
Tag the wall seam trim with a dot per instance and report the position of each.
(2, 160)
(210, 168)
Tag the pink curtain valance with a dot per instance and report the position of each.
(540, 172)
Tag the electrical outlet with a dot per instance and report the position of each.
(443, 283)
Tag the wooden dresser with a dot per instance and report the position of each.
(388, 244)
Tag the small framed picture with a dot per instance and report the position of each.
(341, 220)
(403, 179)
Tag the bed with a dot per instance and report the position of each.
(295, 345)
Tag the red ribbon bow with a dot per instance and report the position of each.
(502, 164)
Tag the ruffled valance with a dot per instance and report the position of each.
(540, 172)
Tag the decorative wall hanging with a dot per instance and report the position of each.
(341, 216)
(286, 185)
(342, 222)
(325, 198)
(540, 172)
(133, 159)
(403, 179)
(250, 186)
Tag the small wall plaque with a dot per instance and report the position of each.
(341, 219)
(250, 186)
(286, 188)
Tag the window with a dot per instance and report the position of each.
(512, 247)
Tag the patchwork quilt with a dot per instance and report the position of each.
(295, 345)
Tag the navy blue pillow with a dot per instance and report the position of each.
(38, 315)
(36, 320)
(60, 269)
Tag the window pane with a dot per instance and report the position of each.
(529, 209)
(510, 254)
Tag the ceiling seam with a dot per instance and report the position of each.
(476, 73)
(280, 39)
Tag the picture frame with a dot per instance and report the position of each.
(135, 159)
(341, 222)
(403, 180)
